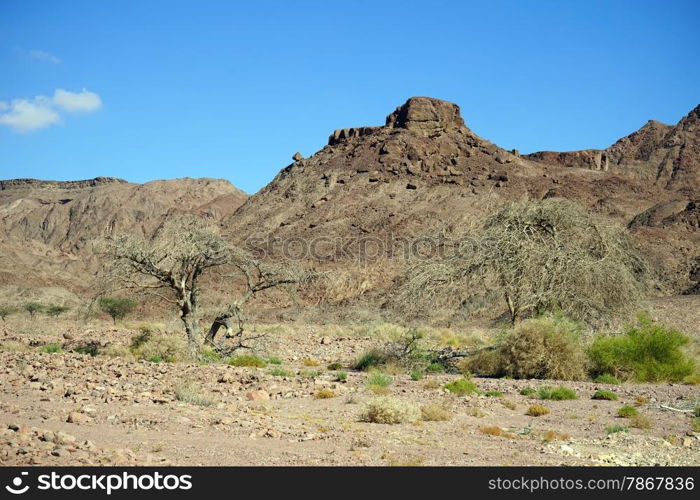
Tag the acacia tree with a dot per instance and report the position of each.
(116, 308)
(541, 256)
(6, 310)
(171, 265)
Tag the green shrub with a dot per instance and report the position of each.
(557, 393)
(209, 355)
(335, 366)
(91, 349)
(155, 359)
(494, 394)
(247, 360)
(52, 348)
(627, 411)
(274, 360)
(646, 352)
(693, 379)
(462, 386)
(547, 347)
(435, 368)
(695, 424)
(378, 379)
(56, 310)
(416, 374)
(615, 428)
(370, 359)
(605, 395)
(341, 376)
(527, 391)
(606, 378)
(279, 372)
(310, 374)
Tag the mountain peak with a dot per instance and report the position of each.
(426, 116)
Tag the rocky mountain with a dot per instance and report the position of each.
(379, 187)
(47, 227)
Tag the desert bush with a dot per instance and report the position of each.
(334, 366)
(341, 376)
(416, 375)
(274, 360)
(695, 424)
(324, 393)
(370, 359)
(606, 378)
(627, 411)
(604, 395)
(537, 411)
(279, 372)
(33, 307)
(388, 410)
(552, 435)
(379, 379)
(310, 362)
(116, 308)
(547, 347)
(56, 310)
(189, 392)
(693, 379)
(615, 428)
(310, 374)
(462, 387)
(435, 413)
(493, 394)
(162, 346)
(640, 421)
(527, 391)
(496, 431)
(560, 393)
(247, 360)
(646, 352)
(89, 348)
(6, 310)
(52, 348)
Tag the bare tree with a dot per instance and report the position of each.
(257, 276)
(171, 265)
(540, 256)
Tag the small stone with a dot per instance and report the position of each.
(259, 395)
(76, 417)
(325, 340)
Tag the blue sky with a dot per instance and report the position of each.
(163, 89)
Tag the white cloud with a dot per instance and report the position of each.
(77, 102)
(27, 115)
(44, 56)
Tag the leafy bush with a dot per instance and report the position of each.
(274, 360)
(547, 347)
(462, 386)
(341, 376)
(537, 411)
(527, 391)
(606, 378)
(646, 352)
(493, 394)
(693, 379)
(605, 395)
(388, 410)
(557, 393)
(416, 374)
(56, 310)
(627, 411)
(640, 421)
(247, 360)
(33, 307)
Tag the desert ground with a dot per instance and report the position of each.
(69, 407)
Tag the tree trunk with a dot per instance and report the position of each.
(192, 331)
